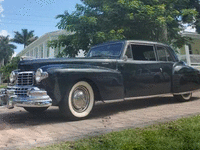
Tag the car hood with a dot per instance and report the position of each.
(33, 65)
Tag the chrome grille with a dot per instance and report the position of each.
(25, 78)
(19, 91)
(22, 92)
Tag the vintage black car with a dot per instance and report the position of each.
(119, 70)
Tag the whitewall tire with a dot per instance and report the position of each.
(79, 102)
(184, 97)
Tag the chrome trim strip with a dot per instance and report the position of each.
(150, 96)
(185, 92)
(144, 97)
(26, 72)
(35, 103)
(113, 101)
(20, 86)
(132, 98)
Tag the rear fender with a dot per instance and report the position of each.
(185, 78)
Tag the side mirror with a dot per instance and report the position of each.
(180, 63)
(125, 58)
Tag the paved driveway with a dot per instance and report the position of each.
(19, 129)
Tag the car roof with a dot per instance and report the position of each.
(145, 42)
(129, 41)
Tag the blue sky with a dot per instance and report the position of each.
(37, 15)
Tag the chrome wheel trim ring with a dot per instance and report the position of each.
(186, 96)
(80, 99)
(86, 109)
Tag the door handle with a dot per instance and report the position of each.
(105, 63)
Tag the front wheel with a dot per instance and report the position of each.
(79, 101)
(183, 97)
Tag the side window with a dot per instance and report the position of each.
(163, 54)
(143, 52)
(129, 52)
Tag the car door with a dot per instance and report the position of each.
(141, 70)
(166, 61)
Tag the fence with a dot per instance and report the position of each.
(191, 60)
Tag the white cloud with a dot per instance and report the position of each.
(2, 15)
(4, 33)
(15, 54)
(1, 9)
(190, 29)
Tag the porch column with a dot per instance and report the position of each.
(187, 53)
(0, 78)
(44, 50)
(39, 55)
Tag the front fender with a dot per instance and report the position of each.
(109, 82)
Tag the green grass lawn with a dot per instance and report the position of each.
(183, 134)
(3, 86)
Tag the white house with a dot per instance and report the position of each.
(39, 49)
(191, 53)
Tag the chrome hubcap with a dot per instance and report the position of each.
(80, 98)
(186, 96)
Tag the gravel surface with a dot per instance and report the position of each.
(22, 130)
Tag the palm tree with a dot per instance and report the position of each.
(25, 37)
(6, 49)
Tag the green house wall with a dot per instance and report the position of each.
(195, 47)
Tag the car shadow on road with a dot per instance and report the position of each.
(107, 109)
(22, 119)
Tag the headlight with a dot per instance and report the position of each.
(40, 75)
(13, 77)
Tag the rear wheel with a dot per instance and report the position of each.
(35, 110)
(183, 97)
(79, 101)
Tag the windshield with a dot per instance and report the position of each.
(109, 50)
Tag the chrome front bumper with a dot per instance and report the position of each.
(34, 97)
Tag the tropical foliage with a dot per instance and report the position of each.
(97, 21)
(25, 37)
(6, 49)
(9, 67)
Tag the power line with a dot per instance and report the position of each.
(25, 20)
(24, 24)
(27, 15)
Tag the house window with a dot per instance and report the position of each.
(36, 52)
(48, 51)
(190, 48)
(31, 53)
(41, 51)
